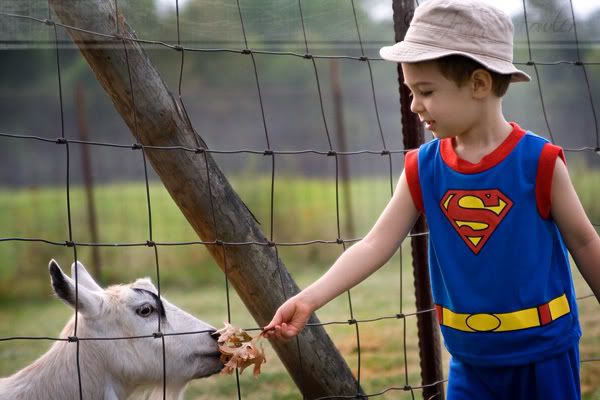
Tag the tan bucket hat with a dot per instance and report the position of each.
(472, 28)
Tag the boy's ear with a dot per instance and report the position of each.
(481, 83)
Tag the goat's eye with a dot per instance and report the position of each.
(145, 310)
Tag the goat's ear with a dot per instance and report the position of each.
(145, 283)
(89, 302)
(83, 277)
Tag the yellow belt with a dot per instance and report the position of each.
(502, 322)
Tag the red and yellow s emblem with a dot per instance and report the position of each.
(475, 214)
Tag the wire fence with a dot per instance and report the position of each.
(200, 150)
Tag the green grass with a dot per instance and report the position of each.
(382, 352)
(305, 209)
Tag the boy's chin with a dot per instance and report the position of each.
(436, 134)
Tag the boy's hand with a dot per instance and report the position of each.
(289, 319)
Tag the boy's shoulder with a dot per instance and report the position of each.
(434, 145)
(529, 135)
(526, 146)
(538, 147)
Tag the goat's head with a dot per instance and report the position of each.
(134, 310)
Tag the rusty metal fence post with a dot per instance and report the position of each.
(413, 136)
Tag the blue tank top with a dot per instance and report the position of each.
(499, 269)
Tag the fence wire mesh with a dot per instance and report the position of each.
(337, 157)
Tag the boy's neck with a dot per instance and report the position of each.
(483, 137)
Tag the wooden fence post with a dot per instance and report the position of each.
(412, 133)
(157, 119)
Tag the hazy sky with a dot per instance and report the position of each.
(383, 8)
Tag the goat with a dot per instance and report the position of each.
(116, 369)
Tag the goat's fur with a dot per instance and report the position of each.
(116, 369)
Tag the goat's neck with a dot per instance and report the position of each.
(55, 375)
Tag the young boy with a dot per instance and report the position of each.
(500, 208)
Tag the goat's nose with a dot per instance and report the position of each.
(215, 335)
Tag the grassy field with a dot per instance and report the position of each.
(382, 354)
(304, 210)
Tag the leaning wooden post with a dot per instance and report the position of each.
(412, 133)
(156, 118)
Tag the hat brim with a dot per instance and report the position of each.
(410, 52)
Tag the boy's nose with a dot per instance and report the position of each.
(416, 106)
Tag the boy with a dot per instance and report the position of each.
(500, 209)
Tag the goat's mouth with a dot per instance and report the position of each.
(201, 355)
(208, 362)
(215, 353)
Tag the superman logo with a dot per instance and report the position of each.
(475, 214)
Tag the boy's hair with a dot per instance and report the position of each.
(459, 68)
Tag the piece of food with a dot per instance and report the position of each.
(239, 350)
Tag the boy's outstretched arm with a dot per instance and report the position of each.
(353, 266)
(580, 236)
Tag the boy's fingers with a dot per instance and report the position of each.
(285, 324)
(269, 331)
(289, 331)
(274, 322)
(286, 333)
(269, 327)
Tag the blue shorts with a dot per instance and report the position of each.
(554, 379)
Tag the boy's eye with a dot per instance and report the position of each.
(421, 93)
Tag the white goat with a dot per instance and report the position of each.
(116, 369)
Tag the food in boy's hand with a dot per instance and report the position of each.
(239, 350)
